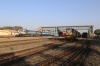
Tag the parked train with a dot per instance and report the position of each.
(28, 33)
(72, 34)
(31, 33)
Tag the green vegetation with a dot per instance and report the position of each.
(11, 27)
(12, 48)
(97, 32)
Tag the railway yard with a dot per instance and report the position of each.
(49, 51)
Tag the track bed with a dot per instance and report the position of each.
(47, 52)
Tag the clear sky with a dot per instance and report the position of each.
(32, 14)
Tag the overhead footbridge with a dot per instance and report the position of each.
(54, 29)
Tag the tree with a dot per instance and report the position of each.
(7, 27)
(17, 27)
(12, 27)
(97, 32)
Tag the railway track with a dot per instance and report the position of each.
(21, 43)
(18, 40)
(18, 54)
(73, 60)
(25, 39)
(15, 55)
(58, 57)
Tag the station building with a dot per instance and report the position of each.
(8, 33)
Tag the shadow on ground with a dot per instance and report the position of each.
(82, 60)
(21, 61)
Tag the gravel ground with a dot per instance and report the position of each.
(21, 38)
(37, 42)
(40, 56)
(16, 38)
(21, 47)
(93, 58)
(18, 42)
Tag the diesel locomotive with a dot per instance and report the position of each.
(72, 34)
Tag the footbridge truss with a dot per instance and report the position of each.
(54, 29)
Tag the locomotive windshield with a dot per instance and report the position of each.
(68, 31)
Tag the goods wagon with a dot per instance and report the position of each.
(31, 33)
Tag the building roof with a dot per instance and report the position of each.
(38, 29)
(9, 30)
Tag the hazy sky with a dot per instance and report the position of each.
(32, 14)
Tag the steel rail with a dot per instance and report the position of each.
(23, 43)
(70, 61)
(59, 56)
(18, 54)
(56, 57)
(18, 40)
(22, 53)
